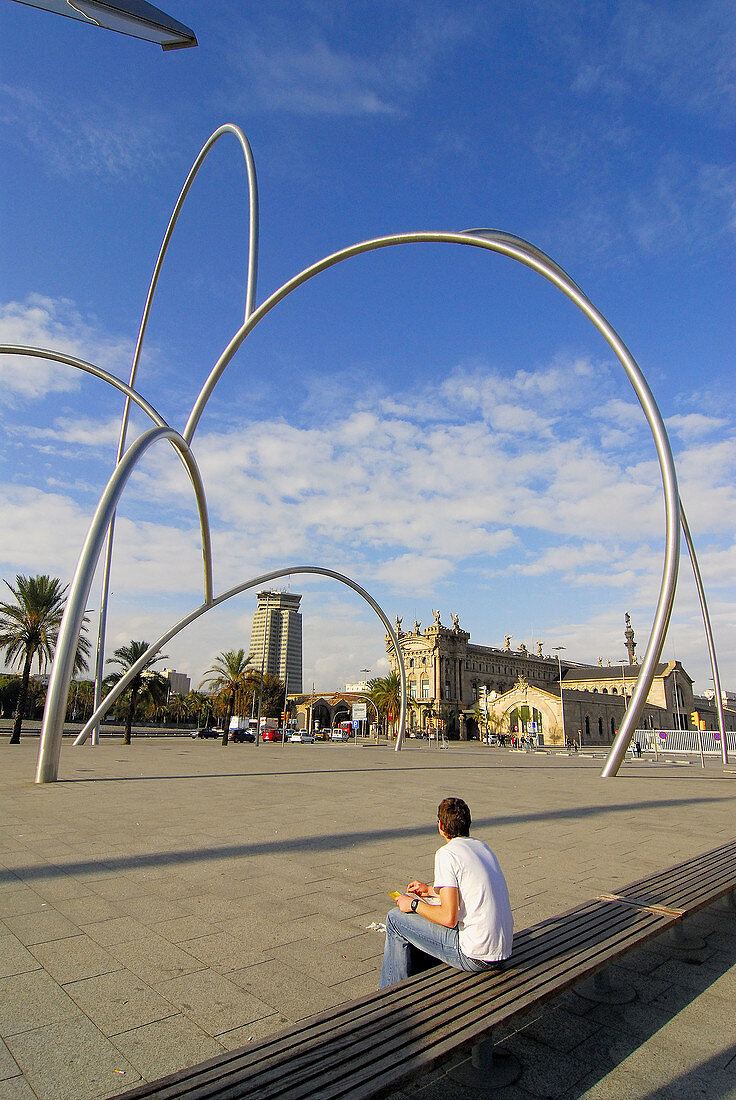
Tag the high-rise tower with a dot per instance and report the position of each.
(276, 637)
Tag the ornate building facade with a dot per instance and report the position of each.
(468, 690)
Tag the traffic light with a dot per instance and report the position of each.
(695, 719)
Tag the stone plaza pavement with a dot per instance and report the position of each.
(170, 900)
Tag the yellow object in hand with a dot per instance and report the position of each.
(395, 894)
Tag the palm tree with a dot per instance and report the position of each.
(126, 656)
(385, 691)
(30, 627)
(227, 675)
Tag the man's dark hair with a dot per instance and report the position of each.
(454, 817)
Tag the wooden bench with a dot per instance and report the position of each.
(367, 1047)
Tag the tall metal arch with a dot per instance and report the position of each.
(203, 608)
(71, 623)
(250, 295)
(517, 249)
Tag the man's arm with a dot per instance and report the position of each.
(444, 914)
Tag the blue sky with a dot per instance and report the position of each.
(434, 421)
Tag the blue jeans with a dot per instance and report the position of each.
(413, 943)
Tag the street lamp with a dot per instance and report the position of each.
(558, 648)
(365, 672)
(136, 18)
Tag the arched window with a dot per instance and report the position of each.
(600, 728)
(587, 727)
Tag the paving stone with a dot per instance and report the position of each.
(560, 1030)
(56, 888)
(250, 1033)
(71, 1061)
(118, 886)
(119, 1001)
(178, 929)
(153, 958)
(74, 958)
(288, 991)
(222, 951)
(164, 1046)
(325, 963)
(8, 1065)
(15, 958)
(115, 930)
(41, 927)
(17, 1088)
(86, 910)
(150, 909)
(30, 1000)
(215, 1002)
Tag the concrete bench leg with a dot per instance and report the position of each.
(602, 990)
(678, 938)
(728, 902)
(489, 1066)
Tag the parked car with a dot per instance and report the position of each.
(303, 736)
(269, 734)
(241, 735)
(207, 732)
(322, 735)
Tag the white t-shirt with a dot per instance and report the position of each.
(485, 922)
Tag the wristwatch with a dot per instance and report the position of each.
(414, 903)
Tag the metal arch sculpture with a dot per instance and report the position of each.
(179, 444)
(254, 582)
(71, 623)
(504, 243)
(250, 294)
(518, 249)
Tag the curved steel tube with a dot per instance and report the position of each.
(88, 368)
(708, 634)
(517, 249)
(250, 294)
(264, 578)
(71, 624)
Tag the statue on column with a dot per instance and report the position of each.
(455, 622)
(507, 643)
(629, 636)
(436, 617)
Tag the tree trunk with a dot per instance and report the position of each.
(228, 717)
(22, 699)
(129, 718)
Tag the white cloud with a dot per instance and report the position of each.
(56, 325)
(81, 431)
(298, 70)
(88, 138)
(411, 573)
(693, 425)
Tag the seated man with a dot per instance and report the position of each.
(470, 926)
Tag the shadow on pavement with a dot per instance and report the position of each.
(328, 842)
